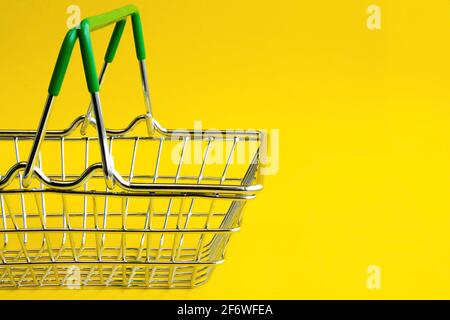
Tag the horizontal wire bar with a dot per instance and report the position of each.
(153, 194)
(165, 231)
(117, 263)
(121, 132)
(132, 214)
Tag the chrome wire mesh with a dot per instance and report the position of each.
(169, 233)
(118, 207)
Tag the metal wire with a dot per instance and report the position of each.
(113, 239)
(157, 221)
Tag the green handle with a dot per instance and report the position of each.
(105, 19)
(62, 62)
(114, 42)
(117, 16)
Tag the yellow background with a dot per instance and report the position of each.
(364, 120)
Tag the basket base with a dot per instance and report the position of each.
(75, 276)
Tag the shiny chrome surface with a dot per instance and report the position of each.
(146, 90)
(88, 116)
(110, 222)
(104, 149)
(243, 187)
(111, 240)
(37, 142)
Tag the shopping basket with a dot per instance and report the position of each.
(142, 206)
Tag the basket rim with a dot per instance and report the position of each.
(245, 190)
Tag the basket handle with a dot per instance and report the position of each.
(97, 22)
(88, 25)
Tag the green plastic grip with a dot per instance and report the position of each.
(105, 19)
(62, 62)
(87, 54)
(114, 42)
(138, 35)
(88, 25)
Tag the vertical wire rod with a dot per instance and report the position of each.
(43, 215)
(146, 90)
(108, 166)
(88, 115)
(44, 211)
(86, 164)
(127, 199)
(222, 178)
(5, 226)
(63, 177)
(131, 175)
(105, 211)
(22, 196)
(158, 159)
(40, 133)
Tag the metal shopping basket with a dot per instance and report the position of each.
(142, 206)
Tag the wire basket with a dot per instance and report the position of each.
(142, 206)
